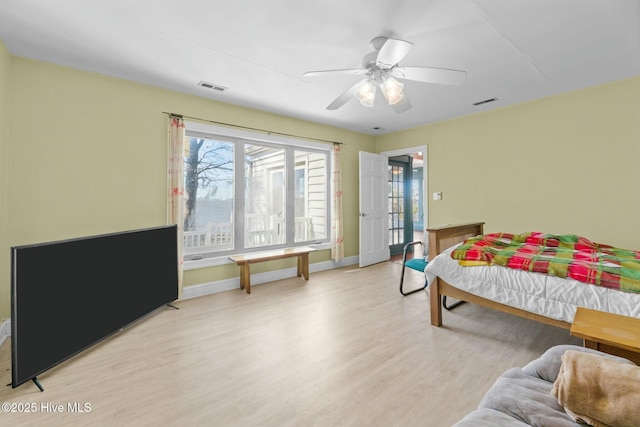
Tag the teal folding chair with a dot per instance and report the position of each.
(419, 264)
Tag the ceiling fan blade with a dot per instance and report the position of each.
(403, 105)
(352, 71)
(430, 75)
(392, 52)
(342, 99)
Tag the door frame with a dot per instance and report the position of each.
(407, 230)
(425, 182)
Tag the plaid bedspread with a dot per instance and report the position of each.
(564, 255)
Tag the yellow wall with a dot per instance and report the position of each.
(5, 273)
(85, 154)
(88, 156)
(563, 164)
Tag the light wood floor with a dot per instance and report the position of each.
(344, 349)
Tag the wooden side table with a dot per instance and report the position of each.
(608, 332)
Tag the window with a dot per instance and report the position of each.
(246, 192)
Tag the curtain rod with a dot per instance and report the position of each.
(268, 132)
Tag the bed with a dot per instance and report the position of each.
(543, 298)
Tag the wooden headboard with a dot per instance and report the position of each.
(445, 236)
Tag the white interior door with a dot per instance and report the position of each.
(374, 235)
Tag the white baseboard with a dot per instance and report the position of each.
(259, 278)
(5, 330)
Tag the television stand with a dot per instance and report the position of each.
(37, 383)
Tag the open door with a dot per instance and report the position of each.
(374, 237)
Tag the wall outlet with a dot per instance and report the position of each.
(437, 195)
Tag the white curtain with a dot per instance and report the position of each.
(337, 234)
(175, 181)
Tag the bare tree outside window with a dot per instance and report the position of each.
(209, 197)
(209, 163)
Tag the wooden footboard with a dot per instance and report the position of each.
(441, 238)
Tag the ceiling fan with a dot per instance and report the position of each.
(381, 68)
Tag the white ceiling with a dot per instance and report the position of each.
(513, 50)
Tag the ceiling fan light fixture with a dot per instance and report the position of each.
(392, 90)
(366, 93)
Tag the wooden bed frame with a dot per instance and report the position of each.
(443, 237)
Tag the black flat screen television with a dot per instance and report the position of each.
(69, 295)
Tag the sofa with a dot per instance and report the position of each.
(523, 396)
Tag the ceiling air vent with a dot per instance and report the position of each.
(213, 86)
(486, 101)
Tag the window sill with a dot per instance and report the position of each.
(223, 260)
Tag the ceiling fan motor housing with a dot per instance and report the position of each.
(370, 59)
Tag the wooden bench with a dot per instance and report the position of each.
(245, 260)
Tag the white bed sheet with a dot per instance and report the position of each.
(539, 293)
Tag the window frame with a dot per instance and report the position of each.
(240, 137)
